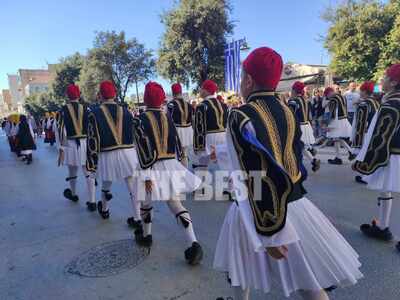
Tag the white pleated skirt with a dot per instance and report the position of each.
(170, 179)
(117, 164)
(386, 179)
(26, 152)
(307, 135)
(73, 155)
(339, 129)
(185, 135)
(319, 259)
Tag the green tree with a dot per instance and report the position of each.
(38, 104)
(356, 36)
(67, 71)
(192, 47)
(390, 53)
(113, 57)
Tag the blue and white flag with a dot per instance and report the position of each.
(233, 66)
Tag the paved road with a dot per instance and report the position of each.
(41, 233)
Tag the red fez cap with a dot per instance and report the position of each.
(154, 95)
(210, 86)
(264, 65)
(107, 89)
(176, 89)
(73, 92)
(368, 86)
(393, 72)
(298, 87)
(328, 90)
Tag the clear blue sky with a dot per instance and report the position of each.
(35, 32)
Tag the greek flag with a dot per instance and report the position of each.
(233, 66)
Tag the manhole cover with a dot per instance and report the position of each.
(108, 259)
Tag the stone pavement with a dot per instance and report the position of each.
(44, 238)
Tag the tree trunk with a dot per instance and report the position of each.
(137, 92)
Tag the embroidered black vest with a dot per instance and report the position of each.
(210, 117)
(365, 112)
(279, 133)
(338, 105)
(180, 112)
(110, 127)
(301, 109)
(74, 118)
(156, 138)
(385, 138)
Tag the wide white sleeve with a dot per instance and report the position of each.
(259, 242)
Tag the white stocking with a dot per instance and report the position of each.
(337, 148)
(146, 213)
(183, 216)
(105, 186)
(90, 183)
(72, 173)
(308, 154)
(314, 295)
(385, 208)
(131, 184)
(241, 294)
(345, 145)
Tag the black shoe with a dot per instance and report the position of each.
(398, 246)
(194, 254)
(91, 206)
(373, 231)
(316, 165)
(352, 156)
(68, 194)
(143, 241)
(104, 214)
(336, 161)
(331, 288)
(360, 180)
(132, 223)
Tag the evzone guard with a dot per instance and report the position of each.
(110, 150)
(365, 112)
(301, 108)
(278, 233)
(209, 122)
(71, 137)
(160, 152)
(181, 113)
(339, 128)
(379, 157)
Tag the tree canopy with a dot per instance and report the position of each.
(113, 57)
(67, 71)
(192, 46)
(363, 37)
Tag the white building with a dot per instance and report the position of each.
(15, 91)
(309, 74)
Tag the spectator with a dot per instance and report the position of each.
(352, 98)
